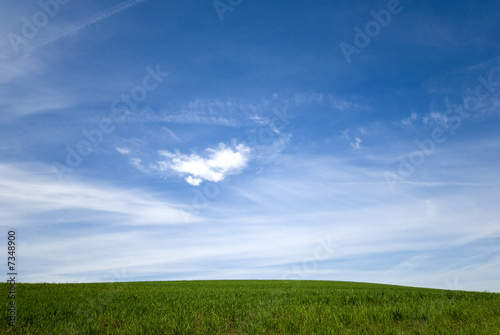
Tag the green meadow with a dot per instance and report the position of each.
(248, 307)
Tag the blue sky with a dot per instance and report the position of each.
(161, 140)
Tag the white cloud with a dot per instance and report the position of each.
(356, 144)
(123, 151)
(194, 181)
(330, 100)
(410, 121)
(259, 119)
(345, 134)
(137, 163)
(437, 117)
(219, 163)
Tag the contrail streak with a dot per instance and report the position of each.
(90, 21)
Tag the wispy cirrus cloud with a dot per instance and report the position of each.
(403, 234)
(188, 117)
(353, 136)
(410, 120)
(235, 113)
(26, 195)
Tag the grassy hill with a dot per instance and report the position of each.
(249, 307)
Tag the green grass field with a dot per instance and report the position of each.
(249, 307)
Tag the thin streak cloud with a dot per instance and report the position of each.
(87, 22)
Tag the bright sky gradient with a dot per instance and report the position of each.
(172, 140)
